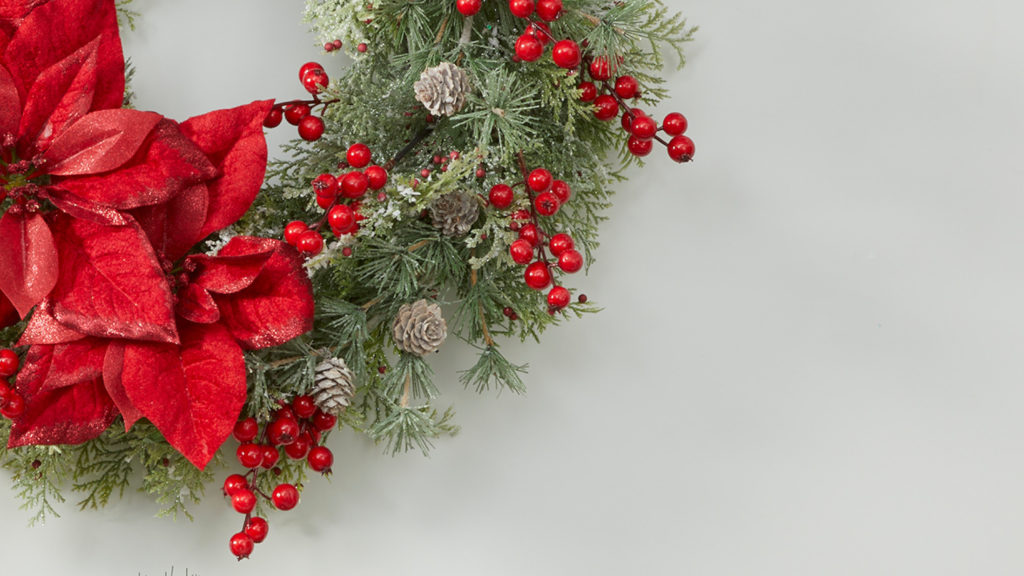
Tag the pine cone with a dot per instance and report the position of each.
(454, 213)
(419, 328)
(332, 386)
(442, 89)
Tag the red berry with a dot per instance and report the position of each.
(643, 127)
(582, 299)
(304, 406)
(481, 173)
(376, 177)
(468, 7)
(627, 118)
(539, 30)
(315, 80)
(529, 48)
(530, 233)
(243, 501)
(285, 497)
(273, 118)
(249, 455)
(311, 128)
(546, 204)
(558, 298)
(354, 184)
(299, 448)
(549, 10)
(325, 185)
(295, 113)
(588, 91)
(329, 46)
(283, 431)
(361, 47)
(358, 155)
(14, 406)
(257, 529)
(5, 391)
(681, 148)
(241, 545)
(337, 44)
(570, 261)
(605, 107)
(234, 483)
(521, 251)
(537, 275)
(539, 180)
(270, 457)
(293, 230)
(309, 66)
(310, 243)
(560, 243)
(639, 147)
(599, 69)
(674, 124)
(566, 54)
(501, 196)
(521, 8)
(347, 251)
(561, 189)
(341, 218)
(324, 420)
(8, 363)
(626, 87)
(246, 429)
(320, 459)
(325, 202)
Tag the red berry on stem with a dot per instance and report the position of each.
(529, 48)
(293, 230)
(283, 431)
(560, 243)
(309, 66)
(14, 406)
(273, 118)
(325, 185)
(627, 118)
(354, 184)
(341, 218)
(324, 420)
(501, 196)
(358, 155)
(539, 180)
(546, 204)
(295, 113)
(234, 483)
(270, 457)
(599, 69)
(249, 455)
(8, 362)
(315, 80)
(246, 429)
(257, 528)
(566, 54)
(241, 545)
(468, 7)
(530, 233)
(376, 177)
(558, 298)
(588, 91)
(521, 8)
(311, 128)
(561, 189)
(639, 147)
(304, 406)
(626, 87)
(521, 251)
(310, 243)
(329, 46)
(537, 275)
(605, 107)
(549, 10)
(570, 261)
(643, 127)
(285, 497)
(299, 448)
(539, 30)
(243, 501)
(337, 44)
(674, 124)
(681, 148)
(361, 47)
(325, 202)
(320, 459)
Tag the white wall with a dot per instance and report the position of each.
(809, 358)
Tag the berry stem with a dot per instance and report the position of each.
(628, 109)
(404, 402)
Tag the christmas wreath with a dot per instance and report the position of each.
(163, 289)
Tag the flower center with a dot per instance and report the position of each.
(21, 179)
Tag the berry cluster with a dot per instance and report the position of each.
(11, 403)
(297, 430)
(609, 98)
(530, 45)
(547, 196)
(339, 197)
(300, 112)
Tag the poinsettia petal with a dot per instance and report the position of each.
(43, 328)
(55, 29)
(172, 228)
(17, 9)
(79, 207)
(28, 258)
(111, 283)
(166, 164)
(196, 305)
(75, 362)
(61, 94)
(234, 141)
(101, 141)
(233, 269)
(8, 314)
(113, 365)
(193, 393)
(69, 415)
(10, 102)
(276, 307)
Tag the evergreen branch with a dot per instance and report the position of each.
(492, 368)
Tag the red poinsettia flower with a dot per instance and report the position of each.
(66, 146)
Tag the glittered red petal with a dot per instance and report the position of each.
(173, 228)
(28, 259)
(111, 284)
(234, 141)
(8, 314)
(79, 207)
(196, 305)
(193, 393)
(113, 365)
(276, 307)
(101, 141)
(10, 103)
(236, 265)
(43, 328)
(75, 362)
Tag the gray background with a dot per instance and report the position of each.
(809, 357)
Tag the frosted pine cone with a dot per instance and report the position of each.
(419, 328)
(442, 89)
(332, 386)
(454, 213)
